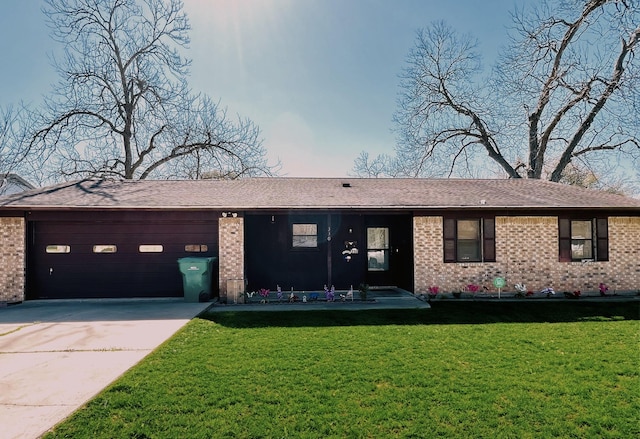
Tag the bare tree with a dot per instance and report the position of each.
(379, 166)
(123, 109)
(6, 124)
(13, 147)
(565, 88)
(581, 175)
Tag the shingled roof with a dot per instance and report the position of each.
(315, 193)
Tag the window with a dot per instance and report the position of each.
(150, 248)
(378, 248)
(105, 248)
(583, 239)
(57, 248)
(469, 240)
(196, 248)
(304, 236)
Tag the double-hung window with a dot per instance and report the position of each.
(304, 235)
(583, 239)
(469, 240)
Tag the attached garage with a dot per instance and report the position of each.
(96, 254)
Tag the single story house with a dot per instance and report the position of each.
(101, 238)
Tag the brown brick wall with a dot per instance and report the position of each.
(527, 252)
(12, 260)
(231, 252)
(624, 253)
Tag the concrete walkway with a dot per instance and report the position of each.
(56, 355)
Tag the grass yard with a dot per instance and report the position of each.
(462, 369)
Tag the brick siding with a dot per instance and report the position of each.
(231, 252)
(12, 260)
(527, 252)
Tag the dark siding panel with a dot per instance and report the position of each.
(271, 260)
(348, 229)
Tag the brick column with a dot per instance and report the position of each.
(624, 255)
(12, 260)
(428, 253)
(231, 252)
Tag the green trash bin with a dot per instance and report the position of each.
(196, 278)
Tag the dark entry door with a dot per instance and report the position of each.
(91, 259)
(383, 254)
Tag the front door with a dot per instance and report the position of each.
(389, 250)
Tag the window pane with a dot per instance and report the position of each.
(150, 248)
(378, 260)
(581, 249)
(104, 249)
(196, 248)
(58, 248)
(305, 241)
(305, 229)
(581, 230)
(378, 238)
(468, 229)
(468, 250)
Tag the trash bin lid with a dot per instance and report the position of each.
(195, 260)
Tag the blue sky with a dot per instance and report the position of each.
(320, 77)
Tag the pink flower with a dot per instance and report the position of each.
(472, 288)
(264, 292)
(603, 289)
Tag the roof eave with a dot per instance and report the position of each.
(318, 207)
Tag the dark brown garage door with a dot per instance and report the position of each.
(132, 256)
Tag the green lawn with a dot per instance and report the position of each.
(461, 369)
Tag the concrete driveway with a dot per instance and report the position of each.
(56, 355)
